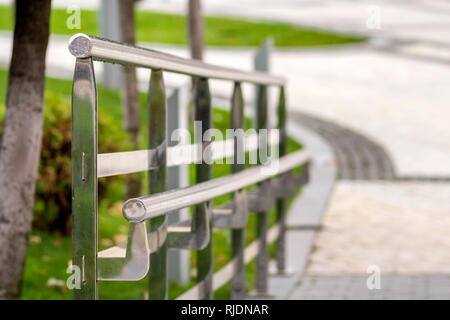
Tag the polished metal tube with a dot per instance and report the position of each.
(237, 288)
(83, 46)
(84, 178)
(203, 173)
(281, 205)
(143, 208)
(262, 218)
(158, 286)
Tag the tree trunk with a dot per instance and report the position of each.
(130, 100)
(195, 35)
(195, 30)
(21, 140)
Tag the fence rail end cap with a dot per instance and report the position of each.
(134, 210)
(80, 45)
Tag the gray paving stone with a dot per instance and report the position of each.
(407, 287)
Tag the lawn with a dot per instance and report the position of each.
(171, 28)
(49, 253)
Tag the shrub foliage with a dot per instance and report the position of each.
(52, 206)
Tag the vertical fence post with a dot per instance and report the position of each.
(262, 217)
(202, 102)
(238, 235)
(281, 202)
(157, 139)
(110, 29)
(261, 62)
(84, 178)
(178, 177)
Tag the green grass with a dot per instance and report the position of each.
(49, 254)
(171, 28)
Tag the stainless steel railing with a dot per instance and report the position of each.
(84, 46)
(145, 252)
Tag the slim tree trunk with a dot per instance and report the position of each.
(21, 140)
(130, 92)
(195, 35)
(195, 30)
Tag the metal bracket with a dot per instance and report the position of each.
(233, 214)
(191, 234)
(157, 238)
(285, 185)
(128, 261)
(303, 178)
(261, 199)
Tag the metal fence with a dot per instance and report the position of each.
(145, 252)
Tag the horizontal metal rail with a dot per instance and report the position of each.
(116, 163)
(84, 46)
(147, 207)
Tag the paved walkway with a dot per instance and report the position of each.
(393, 287)
(399, 227)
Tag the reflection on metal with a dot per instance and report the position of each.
(240, 202)
(84, 177)
(233, 214)
(261, 199)
(262, 221)
(128, 261)
(286, 186)
(112, 164)
(157, 182)
(193, 237)
(157, 238)
(303, 178)
(202, 111)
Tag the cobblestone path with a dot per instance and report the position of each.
(358, 158)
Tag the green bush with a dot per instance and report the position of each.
(52, 206)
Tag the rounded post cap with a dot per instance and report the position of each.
(134, 210)
(80, 45)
